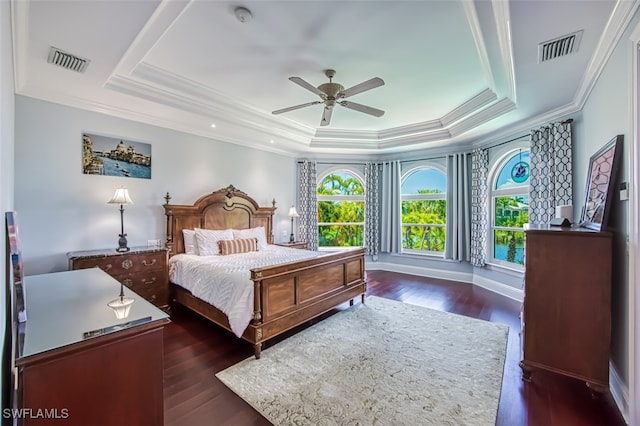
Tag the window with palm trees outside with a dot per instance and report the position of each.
(510, 208)
(424, 210)
(340, 210)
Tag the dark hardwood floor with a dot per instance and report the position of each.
(195, 350)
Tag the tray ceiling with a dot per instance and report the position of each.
(454, 71)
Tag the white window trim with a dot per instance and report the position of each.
(500, 160)
(417, 197)
(334, 170)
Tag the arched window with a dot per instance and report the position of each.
(341, 210)
(509, 195)
(424, 210)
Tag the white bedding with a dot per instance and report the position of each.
(224, 281)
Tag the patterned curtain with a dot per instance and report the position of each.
(371, 209)
(458, 236)
(391, 216)
(479, 206)
(551, 171)
(308, 201)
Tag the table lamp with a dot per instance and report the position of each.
(121, 197)
(292, 213)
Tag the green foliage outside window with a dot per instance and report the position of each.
(341, 223)
(419, 223)
(340, 184)
(511, 212)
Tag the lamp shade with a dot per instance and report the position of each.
(121, 306)
(121, 196)
(293, 212)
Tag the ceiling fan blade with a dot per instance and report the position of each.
(291, 108)
(326, 115)
(308, 86)
(362, 108)
(359, 88)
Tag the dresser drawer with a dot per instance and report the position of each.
(124, 264)
(141, 281)
(143, 270)
(157, 296)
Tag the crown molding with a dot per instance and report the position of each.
(481, 47)
(160, 86)
(20, 24)
(154, 29)
(623, 12)
(493, 111)
(256, 140)
(501, 15)
(474, 104)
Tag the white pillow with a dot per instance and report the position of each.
(189, 237)
(207, 240)
(259, 232)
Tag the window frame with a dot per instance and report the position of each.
(501, 159)
(420, 197)
(358, 175)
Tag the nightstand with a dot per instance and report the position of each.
(296, 244)
(144, 270)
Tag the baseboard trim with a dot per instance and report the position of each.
(420, 271)
(486, 283)
(497, 287)
(619, 392)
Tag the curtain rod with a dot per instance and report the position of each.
(567, 121)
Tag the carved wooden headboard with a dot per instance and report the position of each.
(222, 209)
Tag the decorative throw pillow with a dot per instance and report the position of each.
(258, 232)
(207, 240)
(189, 237)
(243, 245)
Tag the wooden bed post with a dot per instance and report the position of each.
(169, 241)
(257, 316)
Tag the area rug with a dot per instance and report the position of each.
(381, 363)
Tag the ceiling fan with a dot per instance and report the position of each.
(332, 94)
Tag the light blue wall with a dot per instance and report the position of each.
(606, 114)
(61, 209)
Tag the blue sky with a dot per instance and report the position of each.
(437, 180)
(105, 143)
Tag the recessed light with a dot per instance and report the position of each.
(213, 125)
(271, 141)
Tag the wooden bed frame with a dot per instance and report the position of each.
(285, 295)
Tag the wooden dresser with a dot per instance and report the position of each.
(78, 363)
(566, 318)
(144, 270)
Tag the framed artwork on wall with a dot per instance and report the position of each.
(108, 156)
(601, 177)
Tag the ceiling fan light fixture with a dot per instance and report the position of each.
(332, 93)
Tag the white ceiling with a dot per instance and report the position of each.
(454, 70)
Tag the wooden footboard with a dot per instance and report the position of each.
(291, 294)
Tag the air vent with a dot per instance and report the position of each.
(67, 60)
(558, 47)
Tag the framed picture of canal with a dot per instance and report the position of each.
(108, 156)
